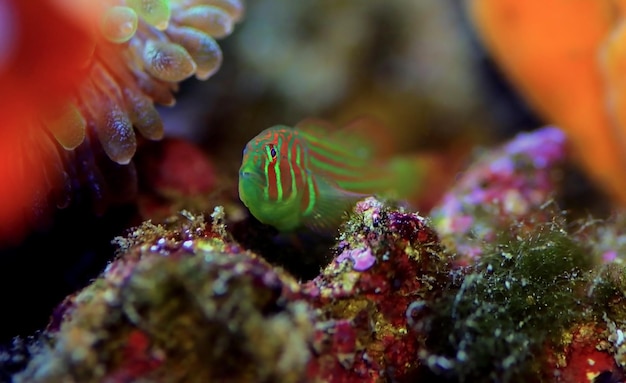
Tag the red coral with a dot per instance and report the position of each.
(174, 174)
(339, 356)
(179, 166)
(582, 356)
(137, 359)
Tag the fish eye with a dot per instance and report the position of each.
(273, 152)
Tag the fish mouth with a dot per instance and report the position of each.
(250, 176)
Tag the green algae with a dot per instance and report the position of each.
(607, 298)
(494, 320)
(608, 290)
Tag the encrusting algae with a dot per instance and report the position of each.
(180, 303)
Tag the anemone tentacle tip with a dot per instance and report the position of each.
(119, 24)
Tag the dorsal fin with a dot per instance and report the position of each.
(368, 133)
(316, 126)
(365, 135)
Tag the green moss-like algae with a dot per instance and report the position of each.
(497, 315)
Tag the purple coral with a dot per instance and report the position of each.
(362, 259)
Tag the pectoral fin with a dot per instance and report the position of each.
(330, 207)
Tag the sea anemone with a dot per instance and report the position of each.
(79, 78)
(148, 47)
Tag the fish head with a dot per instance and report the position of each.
(252, 181)
(264, 164)
(269, 179)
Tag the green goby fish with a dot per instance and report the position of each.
(312, 174)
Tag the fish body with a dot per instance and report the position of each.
(311, 174)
